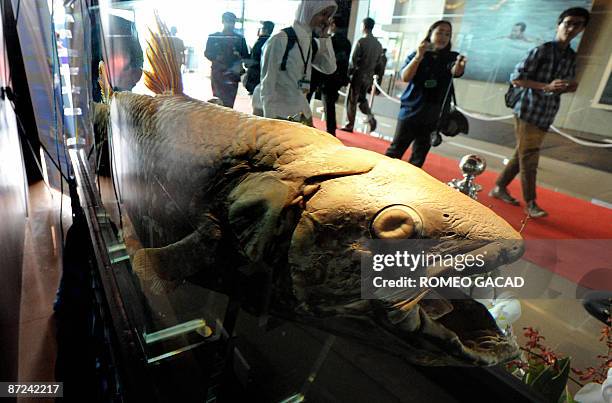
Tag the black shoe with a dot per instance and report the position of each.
(347, 129)
(598, 304)
(502, 194)
(534, 211)
(372, 123)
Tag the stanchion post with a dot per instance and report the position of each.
(345, 103)
(372, 95)
(373, 90)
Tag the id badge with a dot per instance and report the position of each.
(430, 83)
(304, 85)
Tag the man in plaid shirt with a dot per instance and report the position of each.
(547, 72)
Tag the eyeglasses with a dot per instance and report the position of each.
(573, 24)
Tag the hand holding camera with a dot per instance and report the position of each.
(423, 47)
(461, 61)
(459, 65)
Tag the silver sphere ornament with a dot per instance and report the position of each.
(471, 165)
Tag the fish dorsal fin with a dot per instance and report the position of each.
(105, 85)
(165, 74)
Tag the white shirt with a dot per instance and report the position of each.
(281, 95)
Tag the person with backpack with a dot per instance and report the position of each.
(538, 81)
(253, 74)
(288, 58)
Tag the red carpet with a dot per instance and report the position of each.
(570, 220)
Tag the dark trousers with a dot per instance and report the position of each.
(357, 96)
(407, 132)
(330, 97)
(525, 158)
(224, 87)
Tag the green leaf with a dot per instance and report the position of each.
(535, 370)
(552, 383)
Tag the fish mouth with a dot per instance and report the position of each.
(446, 326)
(450, 332)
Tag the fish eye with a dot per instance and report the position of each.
(396, 222)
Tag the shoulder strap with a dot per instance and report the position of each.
(291, 38)
(451, 88)
(315, 48)
(450, 92)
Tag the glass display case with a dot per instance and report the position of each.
(193, 248)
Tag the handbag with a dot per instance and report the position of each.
(513, 95)
(452, 122)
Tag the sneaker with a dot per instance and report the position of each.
(372, 123)
(534, 211)
(502, 194)
(347, 129)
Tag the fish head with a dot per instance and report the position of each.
(362, 197)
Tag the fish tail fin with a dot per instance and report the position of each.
(105, 85)
(165, 74)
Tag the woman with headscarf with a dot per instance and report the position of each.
(285, 71)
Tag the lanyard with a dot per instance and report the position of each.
(302, 54)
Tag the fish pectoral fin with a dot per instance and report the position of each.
(257, 204)
(180, 259)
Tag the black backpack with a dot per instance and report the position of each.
(252, 78)
(512, 95)
(291, 39)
